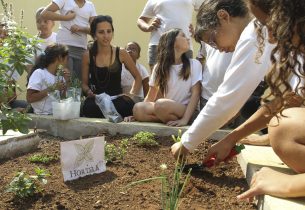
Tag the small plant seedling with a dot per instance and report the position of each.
(24, 186)
(145, 139)
(178, 138)
(40, 158)
(113, 153)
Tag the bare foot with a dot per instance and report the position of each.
(255, 139)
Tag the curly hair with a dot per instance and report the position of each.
(166, 58)
(287, 25)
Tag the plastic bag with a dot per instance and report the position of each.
(105, 104)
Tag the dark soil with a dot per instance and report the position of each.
(214, 188)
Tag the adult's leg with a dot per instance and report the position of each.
(168, 110)
(144, 112)
(287, 138)
(152, 56)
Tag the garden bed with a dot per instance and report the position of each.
(215, 188)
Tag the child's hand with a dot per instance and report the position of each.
(177, 123)
(70, 15)
(67, 74)
(75, 28)
(129, 119)
(61, 86)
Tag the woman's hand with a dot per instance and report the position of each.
(177, 123)
(179, 150)
(90, 94)
(220, 151)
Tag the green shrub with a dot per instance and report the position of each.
(40, 158)
(145, 139)
(24, 186)
(113, 153)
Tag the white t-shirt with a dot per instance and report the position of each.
(83, 14)
(215, 68)
(172, 13)
(240, 80)
(179, 90)
(40, 80)
(127, 79)
(46, 42)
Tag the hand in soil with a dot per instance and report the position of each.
(179, 150)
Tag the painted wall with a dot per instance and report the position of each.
(124, 13)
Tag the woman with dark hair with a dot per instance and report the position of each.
(226, 25)
(43, 78)
(101, 70)
(177, 78)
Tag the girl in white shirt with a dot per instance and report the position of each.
(43, 79)
(176, 78)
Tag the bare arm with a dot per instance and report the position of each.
(191, 107)
(85, 75)
(152, 94)
(145, 86)
(49, 13)
(148, 24)
(271, 182)
(131, 67)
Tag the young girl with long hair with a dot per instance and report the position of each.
(284, 115)
(44, 78)
(177, 78)
(101, 70)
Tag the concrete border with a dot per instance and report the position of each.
(71, 129)
(14, 143)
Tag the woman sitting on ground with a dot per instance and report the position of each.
(102, 68)
(45, 80)
(177, 78)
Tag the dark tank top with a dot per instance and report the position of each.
(106, 79)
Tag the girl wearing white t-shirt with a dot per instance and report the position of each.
(177, 79)
(75, 17)
(43, 79)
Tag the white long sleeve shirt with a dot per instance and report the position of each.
(241, 78)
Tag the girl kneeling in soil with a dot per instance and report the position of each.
(177, 79)
(284, 115)
(101, 70)
(43, 80)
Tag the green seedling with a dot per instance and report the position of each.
(113, 153)
(145, 139)
(40, 158)
(24, 186)
(178, 138)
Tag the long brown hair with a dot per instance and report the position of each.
(287, 18)
(166, 58)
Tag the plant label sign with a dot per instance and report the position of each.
(83, 157)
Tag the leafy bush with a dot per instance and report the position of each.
(113, 153)
(40, 158)
(24, 186)
(145, 139)
(15, 53)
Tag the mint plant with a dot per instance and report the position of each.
(24, 186)
(145, 139)
(40, 158)
(113, 153)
